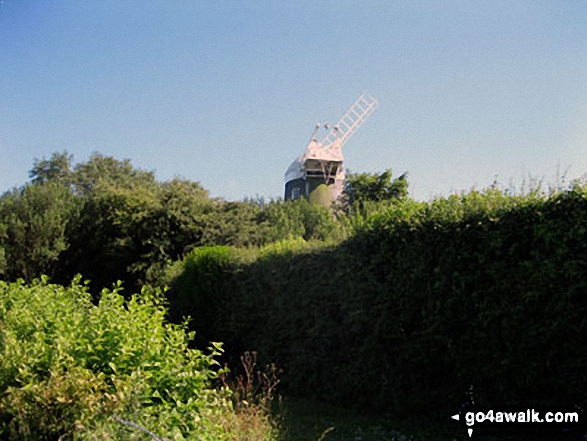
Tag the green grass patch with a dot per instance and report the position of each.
(310, 420)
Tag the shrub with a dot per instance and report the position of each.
(300, 219)
(68, 367)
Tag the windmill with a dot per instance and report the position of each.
(319, 173)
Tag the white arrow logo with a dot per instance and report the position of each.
(456, 418)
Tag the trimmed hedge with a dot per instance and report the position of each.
(425, 300)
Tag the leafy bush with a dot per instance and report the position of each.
(362, 187)
(299, 219)
(68, 367)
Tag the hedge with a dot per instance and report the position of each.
(424, 301)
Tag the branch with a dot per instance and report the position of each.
(136, 426)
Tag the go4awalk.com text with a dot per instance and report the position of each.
(560, 423)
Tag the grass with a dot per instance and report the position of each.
(309, 420)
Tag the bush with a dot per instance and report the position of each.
(68, 367)
(422, 301)
(299, 219)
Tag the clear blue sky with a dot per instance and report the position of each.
(227, 92)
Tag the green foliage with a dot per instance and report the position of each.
(55, 169)
(283, 247)
(233, 223)
(68, 367)
(87, 177)
(109, 237)
(363, 187)
(420, 301)
(423, 300)
(101, 170)
(33, 224)
(201, 269)
(299, 219)
(367, 197)
(3, 261)
(109, 221)
(131, 227)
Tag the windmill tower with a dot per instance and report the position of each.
(319, 173)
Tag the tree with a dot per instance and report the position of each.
(363, 187)
(112, 231)
(56, 168)
(33, 224)
(102, 170)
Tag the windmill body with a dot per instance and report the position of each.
(319, 173)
